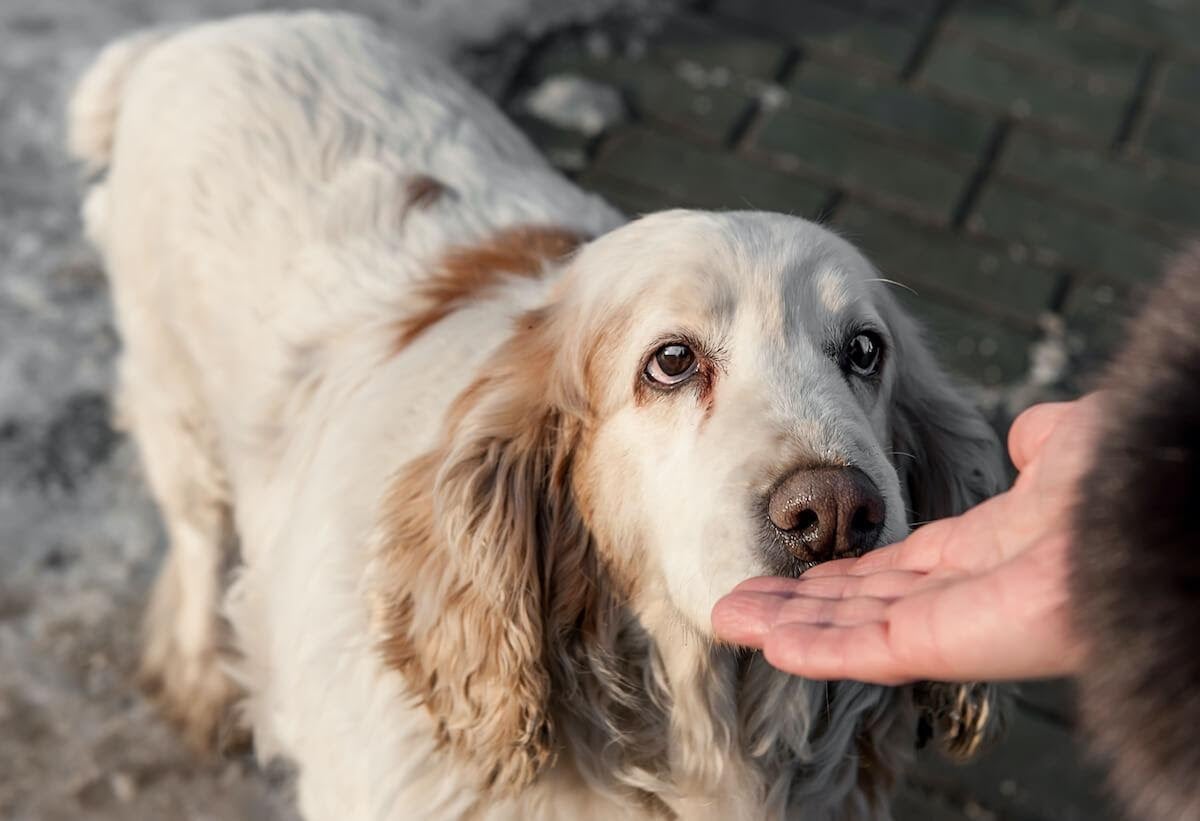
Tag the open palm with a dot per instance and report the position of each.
(977, 596)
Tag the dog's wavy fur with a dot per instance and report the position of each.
(1135, 583)
(370, 332)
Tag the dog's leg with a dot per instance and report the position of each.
(181, 667)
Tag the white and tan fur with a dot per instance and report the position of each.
(476, 558)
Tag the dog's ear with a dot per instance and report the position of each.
(949, 459)
(482, 559)
(947, 455)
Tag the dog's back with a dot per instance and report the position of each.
(257, 161)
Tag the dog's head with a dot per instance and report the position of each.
(703, 398)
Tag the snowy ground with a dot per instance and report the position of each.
(79, 540)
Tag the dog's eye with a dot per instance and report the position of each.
(862, 353)
(671, 364)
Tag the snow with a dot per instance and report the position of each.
(576, 104)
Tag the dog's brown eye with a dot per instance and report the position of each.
(862, 353)
(671, 364)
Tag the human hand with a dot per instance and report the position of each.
(978, 596)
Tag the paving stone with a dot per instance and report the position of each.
(1035, 773)
(1181, 83)
(698, 177)
(698, 102)
(978, 349)
(914, 116)
(704, 43)
(939, 264)
(884, 34)
(1142, 189)
(1096, 315)
(1036, 37)
(566, 149)
(631, 198)
(910, 804)
(1054, 699)
(1058, 233)
(1175, 22)
(864, 161)
(1059, 96)
(1173, 136)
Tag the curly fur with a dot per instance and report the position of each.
(1135, 568)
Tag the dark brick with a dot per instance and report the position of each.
(697, 177)
(863, 161)
(881, 33)
(564, 148)
(911, 804)
(710, 110)
(912, 115)
(977, 349)
(1062, 97)
(1037, 772)
(1059, 233)
(1181, 83)
(1173, 136)
(701, 42)
(1176, 23)
(1034, 37)
(941, 264)
(1142, 189)
(1096, 315)
(700, 104)
(630, 197)
(1054, 699)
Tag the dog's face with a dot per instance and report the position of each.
(702, 398)
(744, 380)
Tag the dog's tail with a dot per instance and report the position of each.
(92, 116)
(96, 102)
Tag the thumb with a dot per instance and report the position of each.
(1032, 428)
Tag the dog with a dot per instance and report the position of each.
(487, 452)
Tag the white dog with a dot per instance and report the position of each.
(489, 453)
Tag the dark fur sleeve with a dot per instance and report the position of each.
(1136, 560)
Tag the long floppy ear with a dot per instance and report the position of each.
(479, 537)
(948, 456)
(949, 459)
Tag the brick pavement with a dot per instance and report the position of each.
(1024, 166)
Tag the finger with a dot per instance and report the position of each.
(861, 652)
(922, 550)
(832, 612)
(758, 605)
(769, 584)
(837, 567)
(1032, 428)
(744, 617)
(882, 584)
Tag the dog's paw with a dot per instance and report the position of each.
(963, 719)
(195, 694)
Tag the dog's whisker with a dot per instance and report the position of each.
(894, 282)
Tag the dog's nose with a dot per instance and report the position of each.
(827, 512)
